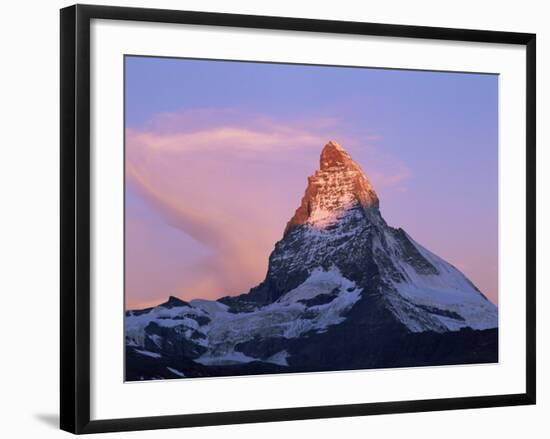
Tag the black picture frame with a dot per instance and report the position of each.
(75, 217)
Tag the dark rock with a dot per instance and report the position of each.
(174, 302)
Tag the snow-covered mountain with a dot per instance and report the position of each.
(343, 290)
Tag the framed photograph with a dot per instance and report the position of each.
(268, 218)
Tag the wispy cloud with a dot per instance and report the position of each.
(215, 129)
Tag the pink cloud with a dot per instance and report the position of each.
(230, 181)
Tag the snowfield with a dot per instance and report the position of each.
(446, 294)
(288, 317)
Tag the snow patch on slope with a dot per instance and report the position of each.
(450, 298)
(232, 357)
(148, 353)
(280, 358)
(176, 372)
(318, 282)
(166, 317)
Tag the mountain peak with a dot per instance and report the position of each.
(337, 187)
(332, 145)
(333, 155)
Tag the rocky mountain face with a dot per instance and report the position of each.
(335, 188)
(343, 291)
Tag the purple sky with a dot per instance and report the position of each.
(218, 153)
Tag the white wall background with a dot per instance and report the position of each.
(29, 249)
